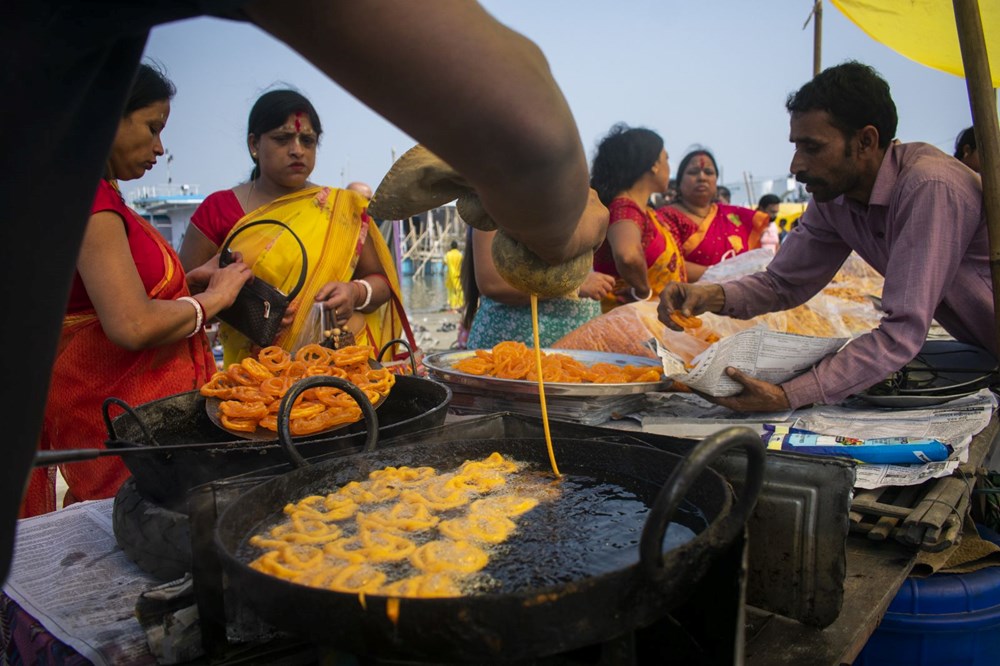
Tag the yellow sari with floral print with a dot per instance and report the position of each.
(333, 224)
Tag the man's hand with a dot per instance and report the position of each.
(556, 248)
(757, 396)
(689, 300)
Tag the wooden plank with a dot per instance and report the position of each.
(884, 527)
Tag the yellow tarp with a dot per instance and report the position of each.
(924, 30)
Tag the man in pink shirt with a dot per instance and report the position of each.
(912, 212)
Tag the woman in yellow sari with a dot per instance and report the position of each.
(641, 249)
(350, 270)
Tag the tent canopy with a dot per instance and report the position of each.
(924, 30)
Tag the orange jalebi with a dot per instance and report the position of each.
(684, 321)
(515, 360)
(415, 536)
(251, 391)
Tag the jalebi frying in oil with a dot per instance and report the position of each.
(403, 532)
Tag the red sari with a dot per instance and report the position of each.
(89, 368)
(724, 233)
(664, 262)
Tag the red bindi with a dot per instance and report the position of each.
(298, 123)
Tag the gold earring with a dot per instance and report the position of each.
(253, 155)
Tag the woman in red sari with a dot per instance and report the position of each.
(709, 230)
(641, 250)
(132, 328)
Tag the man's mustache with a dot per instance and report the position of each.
(806, 180)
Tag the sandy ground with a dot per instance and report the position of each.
(435, 331)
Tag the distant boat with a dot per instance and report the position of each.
(168, 207)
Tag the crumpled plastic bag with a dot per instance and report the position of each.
(843, 309)
(752, 261)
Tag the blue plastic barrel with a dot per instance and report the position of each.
(951, 619)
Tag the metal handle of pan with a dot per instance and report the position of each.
(285, 409)
(131, 412)
(684, 476)
(400, 341)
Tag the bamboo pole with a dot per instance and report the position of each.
(818, 37)
(983, 100)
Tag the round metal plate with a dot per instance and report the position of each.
(441, 365)
(910, 401)
(943, 370)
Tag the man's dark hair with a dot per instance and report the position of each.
(966, 137)
(768, 200)
(854, 95)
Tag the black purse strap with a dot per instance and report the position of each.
(226, 257)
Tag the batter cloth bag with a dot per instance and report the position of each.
(420, 181)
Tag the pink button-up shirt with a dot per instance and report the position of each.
(924, 230)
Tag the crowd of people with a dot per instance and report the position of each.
(135, 323)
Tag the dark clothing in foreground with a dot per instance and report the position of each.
(65, 71)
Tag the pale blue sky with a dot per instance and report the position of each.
(714, 72)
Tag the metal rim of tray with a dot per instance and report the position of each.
(440, 365)
(909, 400)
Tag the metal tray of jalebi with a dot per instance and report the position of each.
(441, 366)
(213, 403)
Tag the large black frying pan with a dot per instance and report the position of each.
(627, 586)
(170, 445)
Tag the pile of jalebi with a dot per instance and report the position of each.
(251, 391)
(515, 360)
(405, 532)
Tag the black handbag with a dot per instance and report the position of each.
(259, 307)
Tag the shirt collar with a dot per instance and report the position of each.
(885, 181)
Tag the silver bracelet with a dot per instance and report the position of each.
(631, 290)
(199, 314)
(368, 294)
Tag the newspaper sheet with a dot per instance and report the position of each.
(954, 422)
(760, 352)
(70, 575)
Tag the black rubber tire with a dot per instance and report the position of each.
(156, 538)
